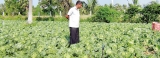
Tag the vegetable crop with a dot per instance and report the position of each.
(46, 39)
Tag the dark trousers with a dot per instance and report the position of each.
(74, 35)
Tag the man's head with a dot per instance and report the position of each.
(78, 4)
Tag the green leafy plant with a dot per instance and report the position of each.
(150, 12)
(106, 14)
(132, 14)
(47, 39)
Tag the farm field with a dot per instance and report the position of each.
(49, 39)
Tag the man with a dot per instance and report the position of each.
(74, 18)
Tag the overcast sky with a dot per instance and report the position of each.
(102, 2)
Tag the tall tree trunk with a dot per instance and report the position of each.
(30, 12)
(112, 2)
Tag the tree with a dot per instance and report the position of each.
(30, 12)
(150, 12)
(118, 7)
(135, 2)
(23, 6)
(64, 5)
(53, 6)
(131, 13)
(85, 8)
(91, 5)
(88, 7)
(14, 7)
(2, 9)
(11, 6)
(37, 10)
(124, 8)
(48, 6)
(106, 14)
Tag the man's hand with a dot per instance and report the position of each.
(67, 16)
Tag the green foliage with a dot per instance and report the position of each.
(37, 11)
(13, 7)
(60, 19)
(90, 6)
(135, 2)
(50, 19)
(111, 13)
(2, 9)
(150, 12)
(106, 14)
(118, 7)
(46, 39)
(41, 18)
(47, 6)
(62, 5)
(19, 17)
(132, 14)
(44, 19)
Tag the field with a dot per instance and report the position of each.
(47, 39)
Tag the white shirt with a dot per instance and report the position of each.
(74, 17)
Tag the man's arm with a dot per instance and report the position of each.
(67, 16)
(69, 13)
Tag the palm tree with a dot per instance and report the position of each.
(30, 12)
(51, 6)
(94, 3)
(129, 3)
(118, 7)
(2, 9)
(24, 5)
(15, 6)
(135, 2)
(124, 8)
(10, 6)
(64, 5)
(90, 5)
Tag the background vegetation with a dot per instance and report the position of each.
(52, 10)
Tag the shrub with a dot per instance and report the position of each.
(44, 19)
(133, 14)
(60, 19)
(106, 14)
(150, 12)
(51, 19)
(18, 17)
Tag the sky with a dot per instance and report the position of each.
(101, 2)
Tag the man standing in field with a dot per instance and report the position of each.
(74, 18)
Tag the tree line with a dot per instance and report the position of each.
(16, 7)
(51, 7)
(134, 13)
(108, 13)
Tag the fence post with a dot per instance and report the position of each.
(19, 13)
(38, 14)
(90, 13)
(60, 14)
(12, 13)
(3, 14)
(50, 13)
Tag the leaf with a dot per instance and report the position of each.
(34, 55)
